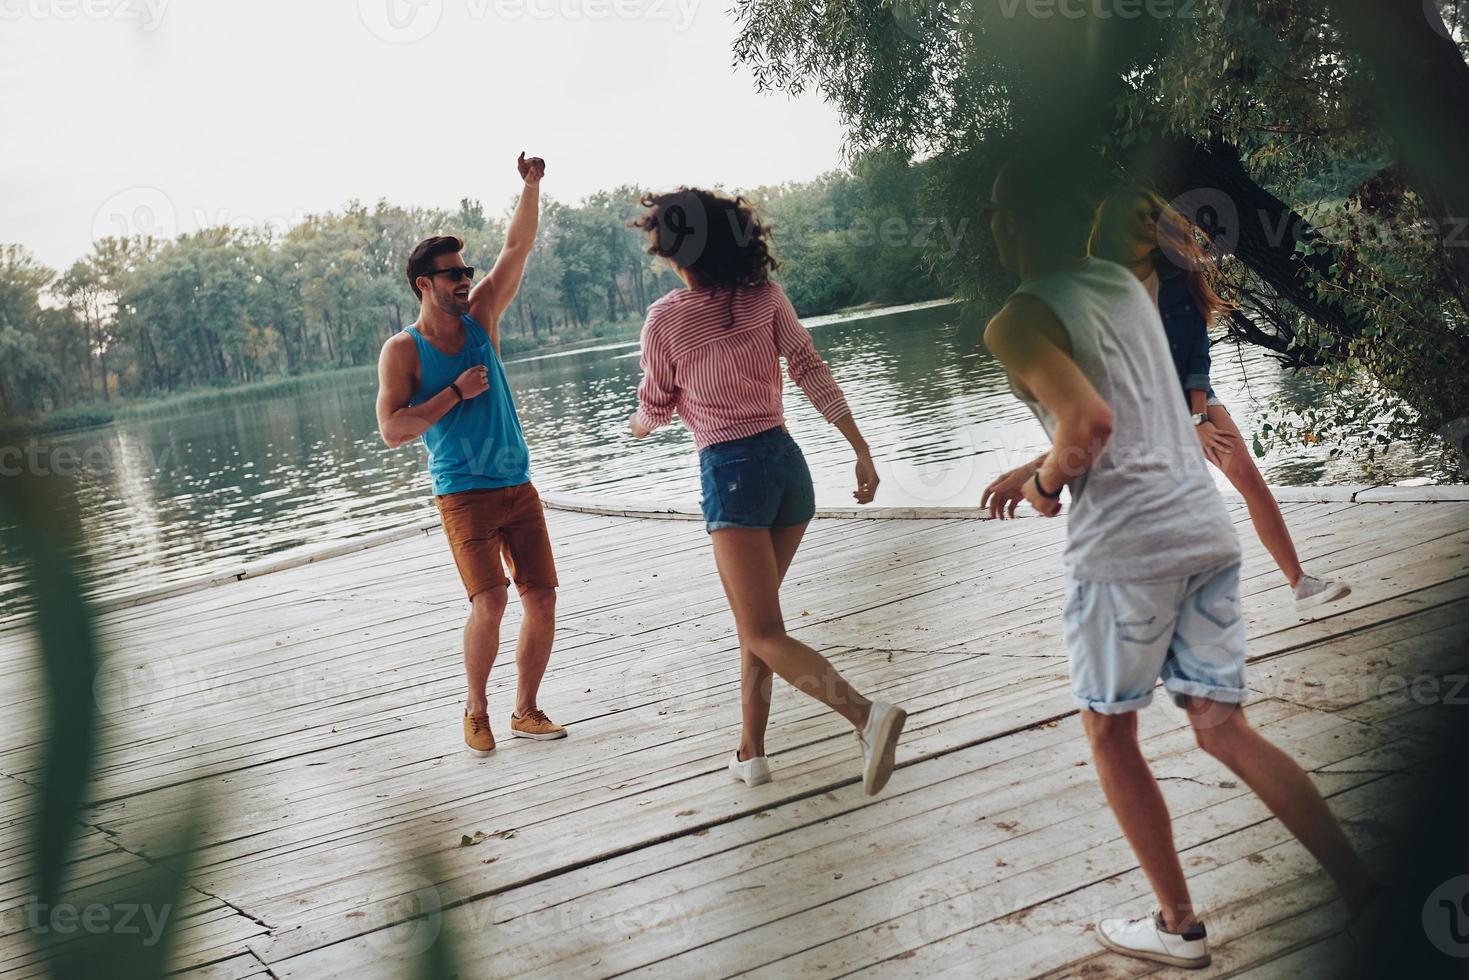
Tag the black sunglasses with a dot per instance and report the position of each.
(455, 273)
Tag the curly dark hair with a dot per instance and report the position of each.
(718, 238)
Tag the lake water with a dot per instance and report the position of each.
(165, 498)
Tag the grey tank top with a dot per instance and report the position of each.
(1148, 508)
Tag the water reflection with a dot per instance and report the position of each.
(168, 498)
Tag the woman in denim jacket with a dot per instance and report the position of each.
(1135, 227)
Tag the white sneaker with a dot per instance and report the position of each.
(1312, 592)
(752, 772)
(879, 741)
(1146, 939)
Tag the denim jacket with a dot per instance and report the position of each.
(1188, 334)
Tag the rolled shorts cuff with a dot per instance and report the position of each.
(521, 587)
(1179, 689)
(1120, 707)
(479, 588)
(712, 526)
(1197, 382)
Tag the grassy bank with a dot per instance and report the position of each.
(521, 345)
(193, 400)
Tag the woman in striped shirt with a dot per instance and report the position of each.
(712, 353)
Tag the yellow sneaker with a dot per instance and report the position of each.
(478, 740)
(534, 724)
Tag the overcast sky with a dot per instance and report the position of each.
(170, 115)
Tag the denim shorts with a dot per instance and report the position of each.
(1123, 636)
(761, 481)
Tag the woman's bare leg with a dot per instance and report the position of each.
(1239, 466)
(748, 568)
(755, 676)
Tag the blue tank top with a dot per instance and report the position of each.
(478, 444)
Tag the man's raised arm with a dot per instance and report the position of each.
(492, 296)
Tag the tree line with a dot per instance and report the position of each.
(139, 317)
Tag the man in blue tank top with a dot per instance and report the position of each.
(441, 379)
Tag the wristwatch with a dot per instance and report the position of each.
(1199, 418)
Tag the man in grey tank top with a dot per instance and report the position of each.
(1151, 554)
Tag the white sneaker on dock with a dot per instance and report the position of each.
(751, 772)
(1146, 939)
(1312, 592)
(879, 741)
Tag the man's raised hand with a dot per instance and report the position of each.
(532, 170)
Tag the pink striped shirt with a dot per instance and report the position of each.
(724, 381)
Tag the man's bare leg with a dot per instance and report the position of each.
(1138, 804)
(481, 645)
(1286, 789)
(537, 633)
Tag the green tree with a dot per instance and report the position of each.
(27, 375)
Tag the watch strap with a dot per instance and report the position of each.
(1040, 487)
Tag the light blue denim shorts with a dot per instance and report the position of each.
(1124, 636)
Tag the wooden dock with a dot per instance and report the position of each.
(316, 710)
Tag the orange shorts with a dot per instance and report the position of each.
(485, 525)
